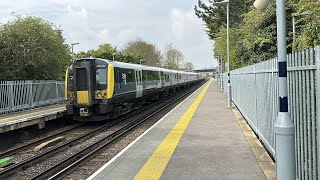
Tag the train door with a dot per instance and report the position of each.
(162, 78)
(139, 87)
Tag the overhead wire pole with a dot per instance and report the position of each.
(283, 127)
(221, 74)
(228, 51)
(218, 72)
(73, 44)
(228, 57)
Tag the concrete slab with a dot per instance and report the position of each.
(16, 120)
(129, 162)
(213, 146)
(261, 154)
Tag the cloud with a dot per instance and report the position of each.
(103, 36)
(190, 37)
(118, 21)
(81, 13)
(184, 23)
(124, 35)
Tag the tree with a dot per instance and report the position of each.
(173, 58)
(32, 48)
(253, 33)
(104, 51)
(307, 23)
(149, 52)
(107, 51)
(188, 66)
(215, 17)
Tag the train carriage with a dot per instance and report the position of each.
(99, 89)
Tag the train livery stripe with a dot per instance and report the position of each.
(110, 81)
(66, 84)
(83, 97)
(156, 164)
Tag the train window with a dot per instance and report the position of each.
(101, 77)
(150, 75)
(81, 79)
(119, 79)
(130, 76)
(124, 78)
(166, 77)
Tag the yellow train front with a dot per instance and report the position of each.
(99, 89)
(89, 85)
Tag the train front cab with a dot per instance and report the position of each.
(90, 84)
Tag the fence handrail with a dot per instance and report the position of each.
(255, 93)
(27, 94)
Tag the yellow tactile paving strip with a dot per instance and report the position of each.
(261, 154)
(31, 114)
(156, 164)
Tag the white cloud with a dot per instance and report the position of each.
(190, 38)
(119, 21)
(184, 23)
(81, 13)
(104, 36)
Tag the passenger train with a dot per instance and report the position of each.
(99, 89)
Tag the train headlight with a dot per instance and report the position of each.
(99, 94)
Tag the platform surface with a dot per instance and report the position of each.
(212, 145)
(30, 117)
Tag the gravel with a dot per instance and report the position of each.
(89, 167)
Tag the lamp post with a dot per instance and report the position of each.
(283, 127)
(218, 72)
(228, 51)
(73, 44)
(113, 54)
(221, 74)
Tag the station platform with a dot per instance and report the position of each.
(20, 119)
(200, 139)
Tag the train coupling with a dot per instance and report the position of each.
(84, 112)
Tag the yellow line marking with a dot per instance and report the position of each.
(156, 164)
(30, 114)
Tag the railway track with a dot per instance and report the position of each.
(15, 150)
(88, 157)
(58, 160)
(7, 172)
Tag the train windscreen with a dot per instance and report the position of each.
(101, 78)
(81, 79)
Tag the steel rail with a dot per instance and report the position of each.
(25, 146)
(16, 167)
(58, 170)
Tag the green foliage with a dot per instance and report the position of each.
(173, 58)
(307, 23)
(253, 36)
(216, 16)
(137, 50)
(105, 51)
(32, 48)
(149, 52)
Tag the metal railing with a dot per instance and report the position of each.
(20, 95)
(255, 93)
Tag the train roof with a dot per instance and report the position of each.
(138, 66)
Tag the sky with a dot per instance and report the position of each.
(92, 22)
